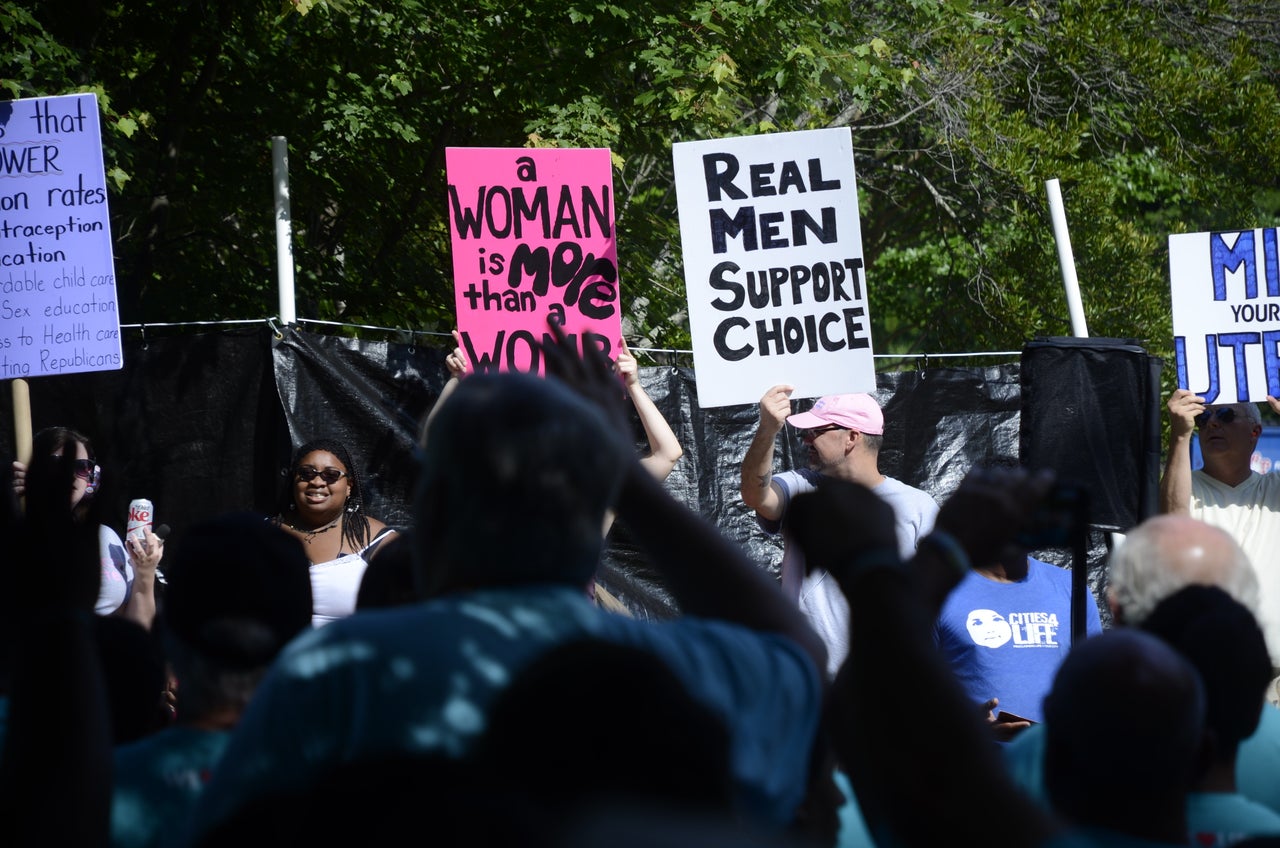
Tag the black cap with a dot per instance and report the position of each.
(239, 589)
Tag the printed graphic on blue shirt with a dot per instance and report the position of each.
(990, 629)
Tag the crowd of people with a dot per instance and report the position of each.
(314, 676)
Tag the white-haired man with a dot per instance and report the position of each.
(1157, 558)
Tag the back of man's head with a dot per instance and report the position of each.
(1223, 641)
(1128, 695)
(539, 740)
(239, 589)
(1165, 553)
(515, 483)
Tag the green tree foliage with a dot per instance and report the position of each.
(1156, 117)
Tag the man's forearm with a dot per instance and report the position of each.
(969, 790)
(1175, 485)
(708, 574)
(757, 470)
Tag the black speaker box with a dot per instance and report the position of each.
(1091, 411)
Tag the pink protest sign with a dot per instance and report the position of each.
(533, 239)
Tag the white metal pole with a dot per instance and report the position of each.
(1066, 260)
(284, 230)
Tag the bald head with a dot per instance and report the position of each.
(1167, 552)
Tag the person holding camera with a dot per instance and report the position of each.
(842, 435)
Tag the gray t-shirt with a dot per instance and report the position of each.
(818, 593)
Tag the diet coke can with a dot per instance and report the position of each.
(140, 515)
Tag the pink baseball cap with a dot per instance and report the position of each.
(852, 412)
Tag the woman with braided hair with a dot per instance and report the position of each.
(323, 506)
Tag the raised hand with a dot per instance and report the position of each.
(1184, 405)
(775, 406)
(626, 365)
(457, 362)
(839, 525)
(990, 507)
(589, 373)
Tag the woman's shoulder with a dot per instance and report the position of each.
(379, 532)
(377, 527)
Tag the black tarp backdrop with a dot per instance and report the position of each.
(190, 422)
(939, 423)
(205, 423)
(371, 396)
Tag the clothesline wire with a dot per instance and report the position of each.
(439, 334)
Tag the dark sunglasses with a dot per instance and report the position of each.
(818, 431)
(306, 474)
(85, 469)
(1224, 414)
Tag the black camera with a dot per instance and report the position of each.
(1059, 520)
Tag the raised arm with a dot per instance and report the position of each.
(1175, 486)
(55, 768)
(756, 487)
(945, 754)
(458, 367)
(144, 555)
(707, 574)
(664, 447)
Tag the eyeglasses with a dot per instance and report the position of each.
(306, 474)
(818, 431)
(1224, 414)
(85, 469)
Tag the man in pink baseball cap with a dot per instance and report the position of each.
(842, 435)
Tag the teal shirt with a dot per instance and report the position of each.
(1257, 763)
(421, 678)
(1225, 818)
(157, 781)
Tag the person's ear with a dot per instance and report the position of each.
(1117, 611)
(95, 477)
(1206, 752)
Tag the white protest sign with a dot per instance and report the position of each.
(773, 265)
(1225, 288)
(58, 311)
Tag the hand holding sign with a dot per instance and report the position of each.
(773, 265)
(775, 406)
(457, 362)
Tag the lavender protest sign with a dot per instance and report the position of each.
(58, 312)
(773, 265)
(1225, 289)
(533, 238)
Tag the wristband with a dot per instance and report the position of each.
(949, 549)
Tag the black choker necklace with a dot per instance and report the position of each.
(311, 534)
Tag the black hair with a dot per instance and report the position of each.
(390, 581)
(53, 440)
(537, 740)
(1222, 639)
(355, 522)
